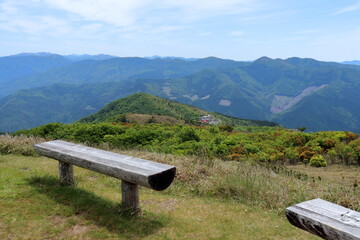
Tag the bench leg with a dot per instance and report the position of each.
(130, 196)
(66, 174)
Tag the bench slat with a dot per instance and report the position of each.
(146, 173)
(325, 219)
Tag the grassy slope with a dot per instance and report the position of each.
(147, 118)
(143, 103)
(34, 206)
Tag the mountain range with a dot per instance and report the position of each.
(294, 92)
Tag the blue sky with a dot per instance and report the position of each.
(235, 29)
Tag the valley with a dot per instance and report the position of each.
(293, 92)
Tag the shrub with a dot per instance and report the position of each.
(189, 134)
(355, 145)
(226, 128)
(318, 161)
(291, 155)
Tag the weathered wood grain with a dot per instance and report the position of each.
(66, 174)
(130, 169)
(325, 219)
(130, 196)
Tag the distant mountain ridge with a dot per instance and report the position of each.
(171, 57)
(82, 57)
(72, 57)
(354, 62)
(17, 66)
(110, 70)
(294, 92)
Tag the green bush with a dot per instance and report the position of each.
(189, 134)
(271, 145)
(226, 128)
(318, 161)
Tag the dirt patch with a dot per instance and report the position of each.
(160, 206)
(58, 220)
(79, 229)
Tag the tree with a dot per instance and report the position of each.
(301, 129)
(318, 161)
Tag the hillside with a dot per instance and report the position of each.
(142, 103)
(294, 92)
(114, 70)
(23, 65)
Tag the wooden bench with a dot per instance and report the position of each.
(325, 219)
(132, 171)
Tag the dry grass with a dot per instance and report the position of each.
(209, 199)
(147, 118)
(252, 184)
(240, 181)
(34, 206)
(18, 145)
(343, 175)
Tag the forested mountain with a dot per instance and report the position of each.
(294, 92)
(355, 62)
(115, 70)
(143, 103)
(21, 65)
(82, 57)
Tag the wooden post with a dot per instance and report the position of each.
(130, 196)
(66, 174)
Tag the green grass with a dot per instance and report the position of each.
(35, 206)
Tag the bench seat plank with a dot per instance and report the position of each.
(146, 173)
(325, 219)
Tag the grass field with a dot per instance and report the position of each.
(348, 176)
(209, 199)
(35, 206)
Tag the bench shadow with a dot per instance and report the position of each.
(102, 212)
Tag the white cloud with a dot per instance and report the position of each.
(116, 12)
(126, 13)
(16, 18)
(204, 33)
(237, 33)
(351, 8)
(309, 31)
(267, 16)
(126, 19)
(216, 6)
(164, 29)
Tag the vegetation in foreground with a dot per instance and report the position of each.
(265, 145)
(267, 186)
(210, 198)
(35, 206)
